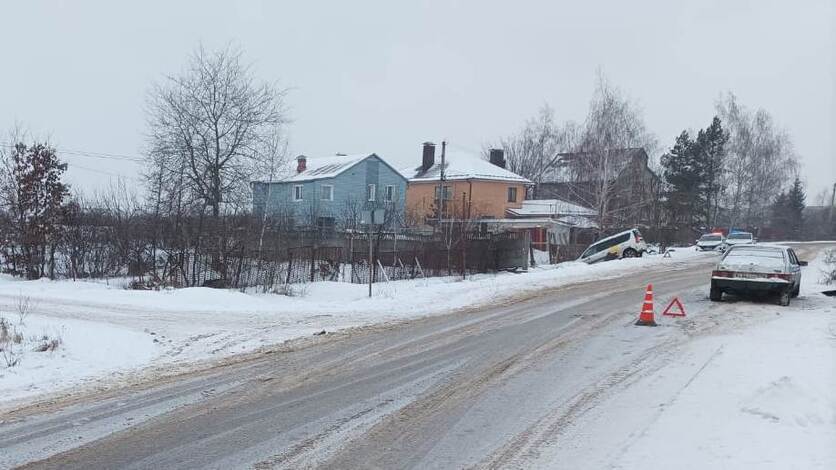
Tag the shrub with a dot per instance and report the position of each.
(45, 343)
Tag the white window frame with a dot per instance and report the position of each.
(389, 193)
(298, 192)
(371, 192)
(330, 192)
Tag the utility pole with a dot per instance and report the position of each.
(832, 203)
(371, 270)
(443, 178)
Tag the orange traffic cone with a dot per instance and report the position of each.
(646, 316)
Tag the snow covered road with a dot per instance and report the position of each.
(557, 380)
(112, 336)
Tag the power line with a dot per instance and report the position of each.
(108, 173)
(90, 154)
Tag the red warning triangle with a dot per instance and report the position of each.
(680, 309)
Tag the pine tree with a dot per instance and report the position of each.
(682, 175)
(796, 201)
(780, 218)
(711, 159)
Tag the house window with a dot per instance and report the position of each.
(326, 192)
(297, 192)
(389, 194)
(512, 194)
(448, 193)
(325, 223)
(370, 192)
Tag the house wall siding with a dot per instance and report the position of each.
(349, 194)
(486, 198)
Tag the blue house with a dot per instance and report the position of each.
(332, 191)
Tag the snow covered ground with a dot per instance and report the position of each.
(109, 333)
(739, 384)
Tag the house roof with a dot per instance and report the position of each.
(550, 207)
(618, 160)
(319, 168)
(462, 166)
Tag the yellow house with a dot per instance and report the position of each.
(464, 187)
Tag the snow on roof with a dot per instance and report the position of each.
(578, 221)
(550, 207)
(527, 223)
(462, 166)
(319, 168)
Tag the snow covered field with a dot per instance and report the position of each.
(110, 334)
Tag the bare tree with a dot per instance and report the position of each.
(614, 123)
(210, 125)
(270, 165)
(534, 151)
(761, 161)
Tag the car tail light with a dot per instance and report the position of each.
(721, 273)
(638, 238)
(783, 276)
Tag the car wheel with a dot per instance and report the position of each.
(784, 298)
(797, 290)
(716, 294)
(629, 253)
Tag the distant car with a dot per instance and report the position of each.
(710, 242)
(626, 244)
(746, 269)
(739, 238)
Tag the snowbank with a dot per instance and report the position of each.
(87, 351)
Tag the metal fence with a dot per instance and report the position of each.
(283, 258)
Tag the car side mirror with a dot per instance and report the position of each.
(802, 263)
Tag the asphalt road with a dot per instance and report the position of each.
(455, 391)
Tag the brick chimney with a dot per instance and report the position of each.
(497, 157)
(301, 163)
(428, 156)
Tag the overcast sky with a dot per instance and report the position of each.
(385, 76)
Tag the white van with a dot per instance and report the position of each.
(627, 244)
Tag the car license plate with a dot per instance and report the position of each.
(747, 275)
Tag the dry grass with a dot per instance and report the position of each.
(14, 344)
(829, 271)
(24, 307)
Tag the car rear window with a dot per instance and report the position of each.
(740, 236)
(757, 253)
